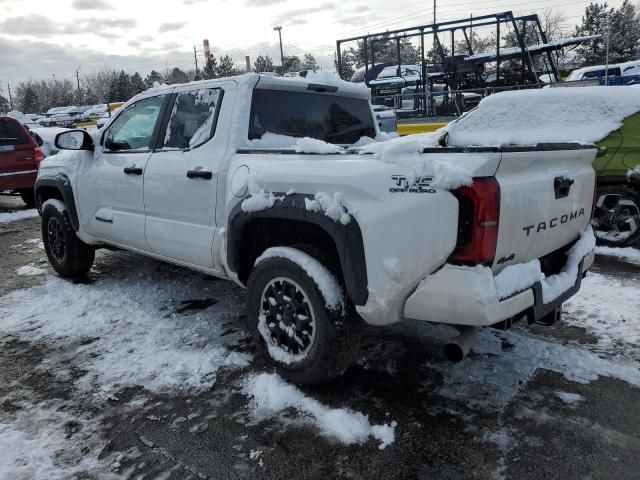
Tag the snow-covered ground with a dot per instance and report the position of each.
(143, 325)
(6, 217)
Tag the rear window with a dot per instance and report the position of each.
(330, 118)
(11, 133)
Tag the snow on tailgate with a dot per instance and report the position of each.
(549, 115)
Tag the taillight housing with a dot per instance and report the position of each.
(38, 155)
(478, 222)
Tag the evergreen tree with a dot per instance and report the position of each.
(152, 78)
(291, 64)
(210, 70)
(177, 76)
(120, 90)
(594, 22)
(263, 64)
(29, 103)
(4, 104)
(137, 85)
(309, 62)
(625, 34)
(226, 67)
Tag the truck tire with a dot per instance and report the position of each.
(292, 327)
(68, 255)
(616, 220)
(28, 197)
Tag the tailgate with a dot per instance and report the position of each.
(546, 198)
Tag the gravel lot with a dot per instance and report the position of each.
(145, 370)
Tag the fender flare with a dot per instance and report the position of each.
(61, 183)
(347, 239)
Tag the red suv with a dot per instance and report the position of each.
(20, 157)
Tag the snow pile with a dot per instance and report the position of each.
(607, 307)
(529, 117)
(6, 217)
(259, 199)
(628, 254)
(323, 278)
(313, 145)
(389, 150)
(270, 395)
(556, 285)
(516, 278)
(300, 145)
(325, 77)
(569, 398)
(36, 444)
(135, 339)
(29, 271)
(332, 207)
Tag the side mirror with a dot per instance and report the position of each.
(74, 140)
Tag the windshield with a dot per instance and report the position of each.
(331, 118)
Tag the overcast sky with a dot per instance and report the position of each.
(41, 38)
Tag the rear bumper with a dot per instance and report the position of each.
(455, 295)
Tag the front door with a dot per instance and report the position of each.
(110, 187)
(181, 178)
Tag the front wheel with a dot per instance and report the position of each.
(296, 314)
(616, 220)
(67, 254)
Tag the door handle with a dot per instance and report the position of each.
(204, 174)
(133, 170)
(562, 185)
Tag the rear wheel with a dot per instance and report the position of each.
(616, 220)
(68, 255)
(292, 325)
(29, 197)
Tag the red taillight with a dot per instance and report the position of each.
(38, 155)
(478, 221)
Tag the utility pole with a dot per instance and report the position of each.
(279, 29)
(195, 57)
(434, 11)
(78, 78)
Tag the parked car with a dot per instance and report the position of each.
(441, 100)
(627, 73)
(219, 176)
(95, 112)
(616, 218)
(45, 138)
(20, 157)
(60, 116)
(364, 75)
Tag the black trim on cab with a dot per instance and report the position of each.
(62, 185)
(347, 238)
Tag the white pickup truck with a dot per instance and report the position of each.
(323, 235)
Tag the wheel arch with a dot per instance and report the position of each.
(289, 223)
(58, 187)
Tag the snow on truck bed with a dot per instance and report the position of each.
(549, 115)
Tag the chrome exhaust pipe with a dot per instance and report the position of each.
(459, 347)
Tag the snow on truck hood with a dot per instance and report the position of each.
(550, 115)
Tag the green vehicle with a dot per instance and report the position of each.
(616, 220)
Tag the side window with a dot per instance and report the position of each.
(193, 117)
(134, 127)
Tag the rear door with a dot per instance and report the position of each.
(181, 178)
(18, 167)
(546, 198)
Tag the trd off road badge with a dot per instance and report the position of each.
(402, 184)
